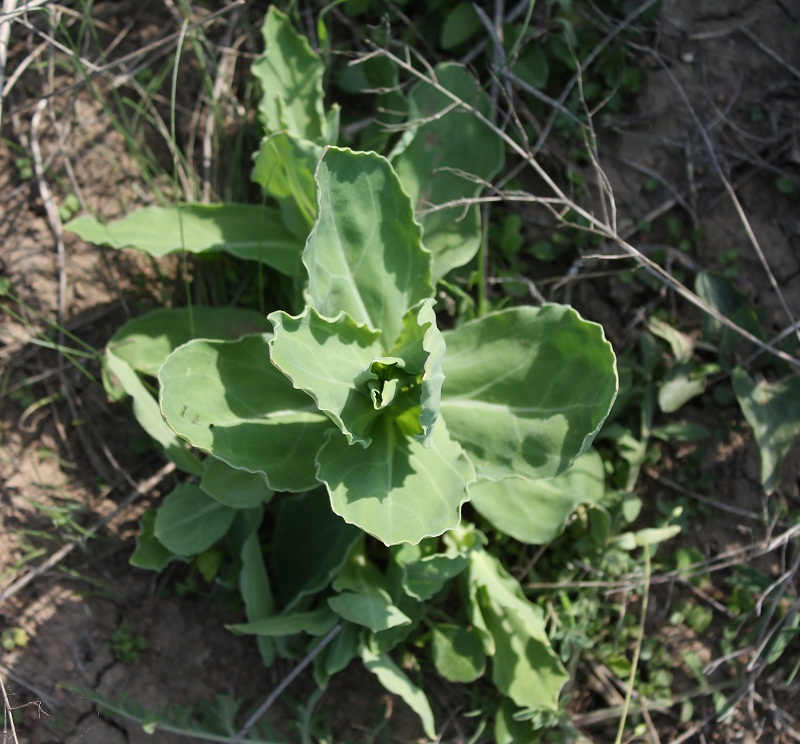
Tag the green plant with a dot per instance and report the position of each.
(369, 420)
(125, 646)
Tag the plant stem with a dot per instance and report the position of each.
(637, 651)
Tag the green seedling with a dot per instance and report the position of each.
(125, 646)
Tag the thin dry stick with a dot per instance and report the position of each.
(9, 6)
(8, 718)
(278, 691)
(224, 70)
(52, 215)
(140, 490)
(593, 223)
(134, 55)
(43, 698)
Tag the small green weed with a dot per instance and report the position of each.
(125, 646)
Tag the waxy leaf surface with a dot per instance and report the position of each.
(284, 168)
(310, 545)
(226, 398)
(235, 488)
(140, 348)
(524, 666)
(395, 680)
(527, 389)
(536, 512)
(330, 360)
(364, 255)
(397, 489)
(291, 75)
(773, 411)
(372, 608)
(249, 231)
(190, 521)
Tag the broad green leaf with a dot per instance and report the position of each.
(359, 574)
(249, 231)
(451, 157)
(256, 592)
(316, 622)
(527, 389)
(509, 730)
(425, 577)
(457, 653)
(397, 490)
(330, 359)
(237, 489)
(536, 512)
(150, 553)
(680, 385)
(681, 345)
(372, 608)
(364, 255)
(773, 412)
(142, 345)
(524, 666)
(644, 538)
(145, 342)
(189, 521)
(680, 431)
(721, 293)
(396, 682)
(460, 25)
(148, 414)
(310, 546)
(291, 76)
(338, 654)
(284, 167)
(227, 399)
(532, 65)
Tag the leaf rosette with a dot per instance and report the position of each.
(367, 396)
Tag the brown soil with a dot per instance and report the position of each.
(724, 74)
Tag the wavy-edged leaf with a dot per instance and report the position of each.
(364, 255)
(190, 521)
(227, 399)
(397, 489)
(773, 412)
(536, 512)
(330, 359)
(451, 156)
(249, 231)
(527, 389)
